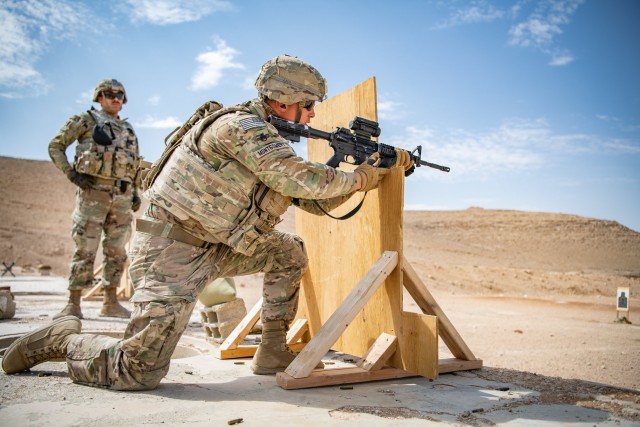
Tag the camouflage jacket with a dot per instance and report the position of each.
(211, 182)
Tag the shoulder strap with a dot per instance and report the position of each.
(174, 138)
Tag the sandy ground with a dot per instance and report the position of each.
(532, 294)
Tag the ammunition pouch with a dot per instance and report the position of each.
(271, 202)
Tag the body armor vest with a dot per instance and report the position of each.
(222, 200)
(111, 152)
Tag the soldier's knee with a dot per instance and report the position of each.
(298, 255)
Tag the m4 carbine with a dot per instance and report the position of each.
(353, 145)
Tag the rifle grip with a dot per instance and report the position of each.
(335, 160)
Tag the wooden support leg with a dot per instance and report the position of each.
(379, 353)
(333, 328)
(298, 335)
(230, 347)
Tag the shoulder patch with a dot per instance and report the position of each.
(269, 148)
(252, 122)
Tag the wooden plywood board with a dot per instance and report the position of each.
(341, 252)
(420, 343)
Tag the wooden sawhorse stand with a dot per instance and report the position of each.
(366, 320)
(371, 367)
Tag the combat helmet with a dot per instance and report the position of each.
(290, 80)
(109, 84)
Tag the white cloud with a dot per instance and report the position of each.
(390, 110)
(619, 123)
(85, 97)
(154, 100)
(213, 64)
(150, 122)
(477, 12)
(559, 58)
(516, 145)
(540, 30)
(27, 27)
(625, 146)
(249, 82)
(167, 12)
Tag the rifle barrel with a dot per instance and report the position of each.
(435, 166)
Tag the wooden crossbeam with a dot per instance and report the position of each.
(336, 376)
(231, 347)
(298, 331)
(333, 328)
(379, 353)
(353, 375)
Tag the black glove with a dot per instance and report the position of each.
(82, 180)
(135, 203)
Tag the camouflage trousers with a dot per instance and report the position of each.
(99, 210)
(168, 276)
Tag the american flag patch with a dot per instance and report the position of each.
(252, 122)
(269, 148)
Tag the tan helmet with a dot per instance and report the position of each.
(290, 80)
(109, 84)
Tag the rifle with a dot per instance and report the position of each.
(353, 145)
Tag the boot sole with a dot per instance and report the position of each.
(28, 334)
(266, 371)
(114, 316)
(73, 315)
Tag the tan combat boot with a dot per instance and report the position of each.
(110, 305)
(273, 354)
(73, 307)
(47, 343)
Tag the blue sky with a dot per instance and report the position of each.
(535, 105)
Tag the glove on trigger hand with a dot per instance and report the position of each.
(82, 180)
(370, 175)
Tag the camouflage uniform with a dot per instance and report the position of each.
(216, 194)
(168, 275)
(106, 205)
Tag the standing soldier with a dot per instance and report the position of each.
(105, 170)
(215, 197)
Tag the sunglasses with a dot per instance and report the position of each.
(114, 95)
(309, 105)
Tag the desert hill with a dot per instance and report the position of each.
(471, 251)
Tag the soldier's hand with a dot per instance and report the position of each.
(370, 174)
(403, 159)
(135, 203)
(82, 180)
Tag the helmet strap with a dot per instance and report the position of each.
(299, 113)
(270, 111)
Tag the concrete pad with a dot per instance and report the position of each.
(203, 390)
